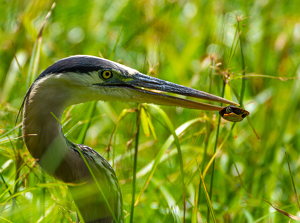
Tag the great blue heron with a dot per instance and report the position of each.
(79, 79)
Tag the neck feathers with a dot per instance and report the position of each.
(41, 124)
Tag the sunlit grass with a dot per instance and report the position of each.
(188, 42)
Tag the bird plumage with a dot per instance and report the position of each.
(45, 101)
(79, 79)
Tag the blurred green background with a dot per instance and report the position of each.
(192, 43)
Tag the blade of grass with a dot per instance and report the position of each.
(233, 46)
(283, 212)
(215, 149)
(195, 209)
(172, 130)
(243, 63)
(12, 75)
(136, 148)
(235, 77)
(208, 133)
(7, 189)
(6, 220)
(150, 124)
(144, 122)
(293, 183)
(35, 56)
(124, 113)
(91, 111)
(207, 197)
(112, 54)
(19, 164)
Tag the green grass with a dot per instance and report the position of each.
(193, 43)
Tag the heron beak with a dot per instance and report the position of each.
(153, 90)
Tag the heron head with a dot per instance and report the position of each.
(87, 78)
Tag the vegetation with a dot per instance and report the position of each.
(200, 44)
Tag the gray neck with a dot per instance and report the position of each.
(43, 109)
(42, 130)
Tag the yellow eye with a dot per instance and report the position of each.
(106, 74)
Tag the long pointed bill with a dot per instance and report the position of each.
(142, 87)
